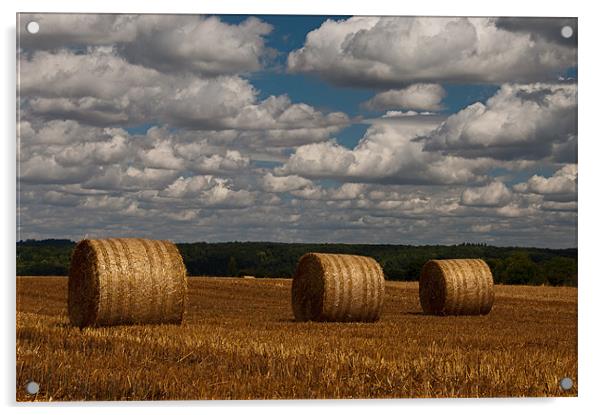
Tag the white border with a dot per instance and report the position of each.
(372, 7)
(590, 287)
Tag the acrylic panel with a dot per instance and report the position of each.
(295, 207)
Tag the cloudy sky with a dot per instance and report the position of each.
(298, 129)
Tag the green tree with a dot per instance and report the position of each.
(232, 267)
(561, 271)
(520, 269)
(509, 265)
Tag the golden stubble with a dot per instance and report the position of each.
(239, 340)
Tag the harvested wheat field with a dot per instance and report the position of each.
(238, 340)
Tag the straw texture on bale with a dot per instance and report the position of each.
(456, 287)
(126, 281)
(335, 287)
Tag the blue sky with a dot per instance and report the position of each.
(409, 130)
(289, 34)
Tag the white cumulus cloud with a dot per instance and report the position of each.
(388, 153)
(425, 97)
(561, 187)
(200, 44)
(223, 196)
(519, 122)
(393, 50)
(102, 88)
(187, 187)
(278, 184)
(494, 194)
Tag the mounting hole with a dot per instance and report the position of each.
(32, 387)
(33, 27)
(566, 32)
(566, 383)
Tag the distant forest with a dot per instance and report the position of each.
(509, 265)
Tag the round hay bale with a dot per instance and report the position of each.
(126, 281)
(456, 287)
(335, 287)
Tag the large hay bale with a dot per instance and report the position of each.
(126, 281)
(456, 287)
(334, 287)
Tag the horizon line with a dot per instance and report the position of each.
(322, 243)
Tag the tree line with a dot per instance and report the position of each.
(509, 265)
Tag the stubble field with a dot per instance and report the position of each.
(239, 341)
